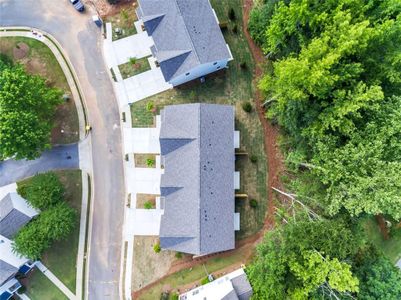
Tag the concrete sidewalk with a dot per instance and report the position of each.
(55, 281)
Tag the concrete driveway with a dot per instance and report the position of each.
(58, 158)
(82, 42)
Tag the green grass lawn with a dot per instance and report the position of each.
(130, 69)
(38, 59)
(177, 280)
(39, 287)
(61, 258)
(391, 247)
(124, 20)
(232, 86)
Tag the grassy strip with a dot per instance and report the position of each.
(39, 287)
(134, 67)
(179, 279)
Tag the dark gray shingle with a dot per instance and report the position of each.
(11, 219)
(197, 148)
(6, 271)
(183, 26)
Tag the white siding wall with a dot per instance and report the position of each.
(199, 71)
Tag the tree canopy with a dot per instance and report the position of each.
(43, 191)
(51, 225)
(295, 260)
(336, 93)
(27, 107)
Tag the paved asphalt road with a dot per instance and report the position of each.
(58, 158)
(81, 39)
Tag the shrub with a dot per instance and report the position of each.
(231, 14)
(174, 297)
(124, 14)
(253, 203)
(150, 106)
(235, 29)
(148, 205)
(247, 106)
(150, 162)
(133, 60)
(21, 290)
(253, 158)
(43, 191)
(113, 1)
(52, 225)
(243, 65)
(164, 296)
(157, 248)
(205, 281)
(178, 255)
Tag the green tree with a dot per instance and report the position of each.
(270, 273)
(379, 280)
(43, 191)
(323, 273)
(38, 235)
(27, 108)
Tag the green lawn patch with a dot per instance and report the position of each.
(124, 22)
(134, 67)
(141, 116)
(233, 86)
(38, 59)
(61, 258)
(39, 287)
(391, 247)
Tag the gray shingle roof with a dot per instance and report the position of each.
(197, 148)
(11, 219)
(183, 26)
(6, 271)
(242, 287)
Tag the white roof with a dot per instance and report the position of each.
(7, 255)
(215, 290)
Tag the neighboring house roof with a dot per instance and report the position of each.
(197, 149)
(185, 32)
(14, 214)
(233, 286)
(9, 261)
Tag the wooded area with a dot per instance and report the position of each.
(333, 84)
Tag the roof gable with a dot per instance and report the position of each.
(186, 25)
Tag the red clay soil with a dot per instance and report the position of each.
(275, 168)
(271, 132)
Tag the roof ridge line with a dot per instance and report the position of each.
(187, 32)
(200, 178)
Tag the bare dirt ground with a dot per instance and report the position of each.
(275, 168)
(105, 9)
(149, 266)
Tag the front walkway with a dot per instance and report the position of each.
(140, 86)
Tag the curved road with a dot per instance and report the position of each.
(81, 40)
(58, 158)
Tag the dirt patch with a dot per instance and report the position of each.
(141, 199)
(148, 265)
(105, 9)
(20, 51)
